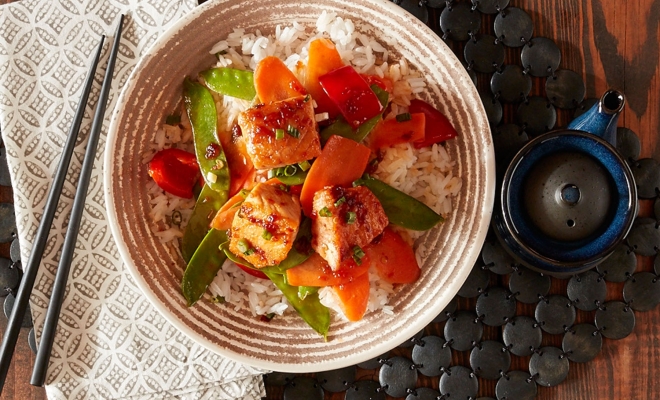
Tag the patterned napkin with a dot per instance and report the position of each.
(110, 343)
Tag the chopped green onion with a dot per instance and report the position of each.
(290, 170)
(244, 247)
(325, 212)
(305, 165)
(218, 300)
(173, 119)
(266, 235)
(283, 188)
(279, 133)
(403, 117)
(351, 217)
(357, 254)
(176, 218)
(293, 131)
(340, 201)
(307, 98)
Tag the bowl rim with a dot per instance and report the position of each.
(384, 344)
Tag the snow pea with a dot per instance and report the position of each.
(203, 266)
(201, 111)
(401, 209)
(231, 82)
(289, 175)
(310, 308)
(208, 203)
(342, 128)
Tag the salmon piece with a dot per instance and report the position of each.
(264, 228)
(344, 218)
(259, 125)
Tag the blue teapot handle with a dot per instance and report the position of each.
(601, 119)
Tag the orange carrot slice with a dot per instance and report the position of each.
(273, 81)
(323, 58)
(393, 258)
(316, 272)
(391, 132)
(354, 297)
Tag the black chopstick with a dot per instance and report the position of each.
(31, 268)
(62, 275)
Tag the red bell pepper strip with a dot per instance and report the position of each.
(438, 128)
(175, 171)
(351, 94)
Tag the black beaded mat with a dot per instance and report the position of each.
(509, 329)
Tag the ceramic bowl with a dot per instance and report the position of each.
(287, 343)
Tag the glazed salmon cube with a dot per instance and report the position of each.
(264, 228)
(280, 133)
(345, 218)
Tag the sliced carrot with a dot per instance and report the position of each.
(241, 169)
(393, 258)
(224, 217)
(316, 272)
(273, 81)
(341, 162)
(391, 132)
(354, 297)
(323, 58)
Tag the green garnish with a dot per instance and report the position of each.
(325, 212)
(403, 117)
(218, 299)
(279, 133)
(290, 170)
(176, 218)
(340, 201)
(304, 166)
(351, 217)
(357, 254)
(293, 131)
(244, 247)
(307, 98)
(266, 235)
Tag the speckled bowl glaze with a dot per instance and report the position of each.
(287, 343)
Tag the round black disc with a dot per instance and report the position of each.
(451, 307)
(397, 375)
(32, 341)
(431, 354)
(656, 265)
(278, 378)
(493, 108)
(615, 320)
(436, 3)
(476, 282)
(513, 26)
(555, 314)
(642, 291)
(516, 385)
(5, 180)
(496, 259)
(644, 236)
(565, 89)
(507, 139)
(9, 308)
(585, 106)
(647, 177)
(549, 365)
(423, 393)
(10, 277)
(618, 266)
(463, 330)
(522, 335)
(365, 390)
(540, 56)
(459, 383)
(484, 53)
(337, 380)
(511, 84)
(490, 359)
(582, 343)
(416, 8)
(527, 285)
(411, 342)
(374, 362)
(496, 306)
(628, 144)
(7, 222)
(536, 115)
(458, 21)
(587, 290)
(15, 251)
(490, 6)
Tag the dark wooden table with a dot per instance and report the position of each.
(614, 44)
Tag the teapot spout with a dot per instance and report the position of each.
(601, 119)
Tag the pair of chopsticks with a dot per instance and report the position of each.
(32, 266)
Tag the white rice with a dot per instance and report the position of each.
(425, 174)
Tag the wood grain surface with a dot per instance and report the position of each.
(613, 44)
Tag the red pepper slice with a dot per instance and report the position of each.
(438, 128)
(253, 272)
(175, 171)
(351, 94)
